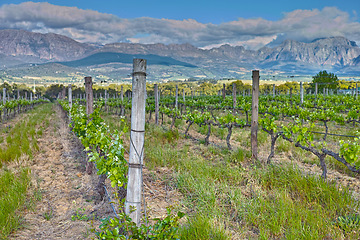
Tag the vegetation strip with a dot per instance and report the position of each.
(21, 140)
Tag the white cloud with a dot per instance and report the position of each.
(93, 26)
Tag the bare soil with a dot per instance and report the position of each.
(68, 205)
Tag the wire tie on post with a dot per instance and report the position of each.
(141, 73)
(139, 131)
(135, 165)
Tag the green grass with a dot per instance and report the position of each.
(13, 189)
(254, 202)
(21, 139)
(201, 227)
(290, 205)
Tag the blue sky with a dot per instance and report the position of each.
(206, 24)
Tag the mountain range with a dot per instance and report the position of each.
(21, 49)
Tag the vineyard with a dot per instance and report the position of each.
(201, 176)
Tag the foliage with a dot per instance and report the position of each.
(122, 227)
(104, 147)
(325, 80)
(107, 151)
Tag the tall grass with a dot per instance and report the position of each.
(290, 205)
(20, 139)
(256, 202)
(12, 197)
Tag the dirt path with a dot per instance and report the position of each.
(66, 194)
(67, 199)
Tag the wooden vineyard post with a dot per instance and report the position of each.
(156, 104)
(122, 111)
(184, 99)
(274, 90)
(301, 93)
(176, 96)
(89, 96)
(70, 98)
(63, 93)
(137, 134)
(105, 100)
(223, 92)
(357, 91)
(4, 96)
(4, 101)
(89, 110)
(255, 112)
(234, 95)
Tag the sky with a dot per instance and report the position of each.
(205, 24)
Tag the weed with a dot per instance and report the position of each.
(348, 223)
(203, 228)
(48, 214)
(80, 215)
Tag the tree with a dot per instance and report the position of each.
(325, 80)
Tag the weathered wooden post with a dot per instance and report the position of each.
(31, 97)
(4, 96)
(89, 96)
(254, 115)
(122, 111)
(156, 104)
(133, 197)
(301, 93)
(184, 99)
(274, 93)
(89, 110)
(70, 97)
(223, 91)
(63, 92)
(234, 95)
(357, 91)
(105, 99)
(176, 96)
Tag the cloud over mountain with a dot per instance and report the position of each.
(96, 27)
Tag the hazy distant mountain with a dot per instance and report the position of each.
(112, 57)
(37, 47)
(335, 51)
(337, 54)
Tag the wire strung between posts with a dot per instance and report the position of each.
(333, 134)
(112, 206)
(107, 194)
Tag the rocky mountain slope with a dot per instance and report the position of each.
(39, 47)
(337, 54)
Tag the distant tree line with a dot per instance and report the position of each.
(204, 87)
